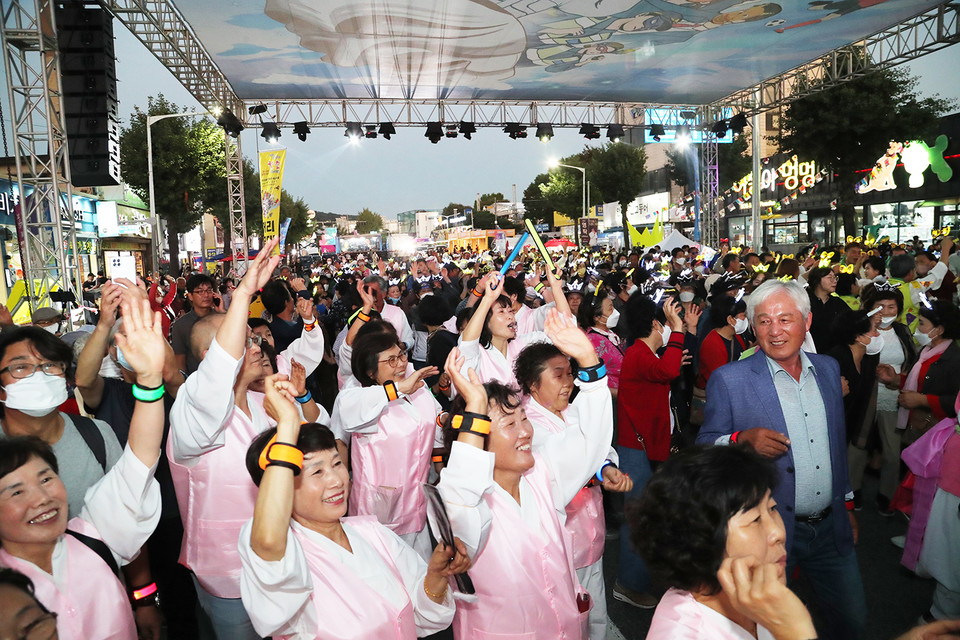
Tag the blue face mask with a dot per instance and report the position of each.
(122, 361)
(394, 300)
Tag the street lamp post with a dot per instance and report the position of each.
(583, 202)
(157, 251)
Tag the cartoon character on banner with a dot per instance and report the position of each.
(881, 176)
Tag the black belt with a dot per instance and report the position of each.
(815, 517)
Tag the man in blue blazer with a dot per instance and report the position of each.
(788, 405)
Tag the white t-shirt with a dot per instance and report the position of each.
(891, 354)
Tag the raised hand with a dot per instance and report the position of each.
(259, 270)
(494, 287)
(415, 380)
(692, 317)
(297, 284)
(671, 309)
(142, 340)
(468, 386)
(759, 592)
(305, 309)
(298, 378)
(278, 401)
(369, 300)
(110, 296)
(563, 331)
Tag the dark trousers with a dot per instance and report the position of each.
(835, 578)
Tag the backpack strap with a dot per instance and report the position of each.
(93, 438)
(100, 548)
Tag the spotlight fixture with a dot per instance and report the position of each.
(738, 122)
(271, 132)
(688, 115)
(434, 132)
(719, 128)
(545, 132)
(230, 123)
(257, 109)
(371, 131)
(353, 131)
(468, 129)
(657, 130)
(387, 129)
(615, 132)
(451, 131)
(589, 131)
(515, 130)
(301, 129)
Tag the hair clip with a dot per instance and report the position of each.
(846, 268)
(762, 268)
(885, 287)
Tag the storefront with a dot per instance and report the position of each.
(125, 231)
(913, 189)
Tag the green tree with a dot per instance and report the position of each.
(617, 170)
(452, 208)
(300, 223)
(535, 206)
(847, 127)
(733, 162)
(187, 164)
(368, 222)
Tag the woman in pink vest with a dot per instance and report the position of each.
(391, 416)
(310, 572)
(507, 502)
(490, 342)
(546, 381)
(74, 565)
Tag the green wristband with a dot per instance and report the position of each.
(147, 395)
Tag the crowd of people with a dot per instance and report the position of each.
(352, 447)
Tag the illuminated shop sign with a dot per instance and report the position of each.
(795, 174)
(916, 156)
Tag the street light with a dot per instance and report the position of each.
(583, 203)
(153, 209)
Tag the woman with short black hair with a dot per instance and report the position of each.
(824, 305)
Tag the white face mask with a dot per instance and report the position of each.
(52, 328)
(613, 319)
(36, 395)
(886, 321)
(741, 326)
(686, 296)
(875, 346)
(632, 290)
(698, 268)
(681, 261)
(922, 338)
(665, 333)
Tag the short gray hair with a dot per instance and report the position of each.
(771, 288)
(380, 281)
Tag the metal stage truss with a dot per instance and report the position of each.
(48, 247)
(31, 61)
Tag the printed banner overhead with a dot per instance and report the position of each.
(271, 181)
(666, 51)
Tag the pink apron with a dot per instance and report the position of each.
(361, 612)
(525, 581)
(390, 465)
(93, 603)
(216, 497)
(585, 520)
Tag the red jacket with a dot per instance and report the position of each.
(643, 405)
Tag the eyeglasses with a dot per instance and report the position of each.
(25, 369)
(393, 361)
(205, 291)
(254, 339)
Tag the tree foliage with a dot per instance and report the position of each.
(617, 171)
(187, 162)
(849, 126)
(535, 206)
(368, 221)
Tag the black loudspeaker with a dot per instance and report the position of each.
(88, 85)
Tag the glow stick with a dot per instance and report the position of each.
(532, 230)
(513, 254)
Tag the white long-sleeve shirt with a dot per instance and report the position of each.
(279, 591)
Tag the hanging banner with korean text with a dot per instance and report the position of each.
(271, 179)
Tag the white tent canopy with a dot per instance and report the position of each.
(675, 240)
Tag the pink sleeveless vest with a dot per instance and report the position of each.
(216, 497)
(93, 602)
(491, 366)
(525, 581)
(585, 521)
(389, 466)
(362, 613)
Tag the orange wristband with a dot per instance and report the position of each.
(472, 422)
(391, 389)
(281, 454)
